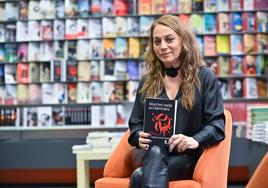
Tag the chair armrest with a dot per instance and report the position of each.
(119, 163)
(213, 163)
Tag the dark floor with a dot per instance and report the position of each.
(232, 185)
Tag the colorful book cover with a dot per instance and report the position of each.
(108, 91)
(70, 29)
(145, 7)
(132, 70)
(248, 22)
(83, 8)
(185, 6)
(132, 7)
(236, 22)
(248, 5)
(95, 49)
(33, 72)
(96, 91)
(224, 65)
(57, 116)
(107, 8)
(210, 23)
(47, 9)
(223, 44)
(46, 30)
(60, 93)
(71, 70)
(132, 87)
(210, 45)
(235, 5)
(10, 32)
(262, 88)
(121, 48)
(200, 43)
(10, 52)
(210, 5)
(22, 73)
(95, 70)
(72, 92)
(197, 23)
(82, 29)
(262, 43)
(120, 7)
(236, 65)
(132, 26)
(23, 10)
(223, 23)
(95, 7)
(249, 65)
(108, 72)
(22, 93)
(145, 24)
(70, 8)
(160, 117)
(109, 48)
(261, 65)
(262, 22)
(249, 43)
(236, 44)
(22, 52)
(212, 64)
(158, 7)
(134, 47)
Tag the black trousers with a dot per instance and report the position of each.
(156, 167)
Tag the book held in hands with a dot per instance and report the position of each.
(160, 119)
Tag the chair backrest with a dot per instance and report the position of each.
(211, 169)
(259, 179)
(212, 166)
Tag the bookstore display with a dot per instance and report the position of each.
(63, 60)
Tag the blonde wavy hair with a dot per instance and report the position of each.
(190, 58)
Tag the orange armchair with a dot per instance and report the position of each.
(210, 171)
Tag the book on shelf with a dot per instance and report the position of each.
(95, 7)
(210, 5)
(11, 11)
(82, 49)
(34, 30)
(57, 116)
(60, 93)
(261, 21)
(120, 70)
(47, 9)
(45, 72)
(44, 116)
(249, 43)
(58, 29)
(107, 7)
(222, 5)
(10, 53)
(34, 94)
(132, 7)
(224, 88)
(144, 7)
(132, 87)
(145, 23)
(132, 26)
(197, 23)
(10, 32)
(22, 52)
(236, 44)
(121, 26)
(82, 29)
(236, 65)
(72, 92)
(248, 22)
(95, 27)
(185, 6)
(2, 73)
(96, 91)
(108, 27)
(70, 29)
(262, 88)
(172, 6)
(82, 8)
(223, 25)
(224, 65)
(250, 88)
(120, 7)
(71, 66)
(110, 115)
(10, 73)
(109, 48)
(132, 70)
(70, 8)
(108, 70)
(134, 47)
(108, 91)
(22, 73)
(223, 44)
(158, 7)
(249, 65)
(83, 71)
(160, 117)
(59, 8)
(47, 93)
(95, 70)
(83, 93)
(237, 87)
(210, 23)
(236, 22)
(22, 94)
(22, 31)
(210, 45)
(95, 49)
(262, 43)
(10, 95)
(121, 48)
(46, 30)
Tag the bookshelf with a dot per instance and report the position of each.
(62, 61)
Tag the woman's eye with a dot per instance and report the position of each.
(156, 42)
(169, 40)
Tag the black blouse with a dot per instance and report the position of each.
(205, 122)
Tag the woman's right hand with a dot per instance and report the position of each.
(144, 140)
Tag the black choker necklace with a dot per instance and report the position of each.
(172, 72)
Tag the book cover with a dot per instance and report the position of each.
(235, 5)
(222, 5)
(262, 88)
(22, 31)
(108, 27)
(262, 22)
(71, 70)
(34, 33)
(44, 116)
(60, 93)
(197, 23)
(72, 92)
(95, 7)
(250, 45)
(10, 52)
(108, 71)
(45, 72)
(11, 11)
(132, 87)
(82, 49)
(107, 8)
(249, 65)
(212, 64)
(132, 7)
(95, 28)
(108, 91)
(96, 92)
(160, 119)
(58, 29)
(70, 29)
(33, 51)
(210, 45)
(10, 73)
(35, 94)
(132, 70)
(132, 26)
(22, 52)
(224, 88)
(223, 44)
(57, 116)
(134, 47)
(145, 24)
(223, 23)
(22, 93)
(236, 22)
(210, 23)
(47, 9)
(172, 6)
(121, 26)
(185, 6)
(262, 43)
(83, 93)
(95, 70)
(121, 47)
(82, 28)
(248, 22)
(70, 8)
(95, 49)
(248, 5)
(120, 70)
(83, 71)
(250, 88)
(158, 7)
(145, 7)
(108, 48)
(224, 65)
(83, 8)
(120, 7)
(10, 32)
(210, 5)
(59, 8)
(236, 44)
(237, 87)
(236, 65)
(120, 89)
(22, 72)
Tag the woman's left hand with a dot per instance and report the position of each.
(181, 142)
